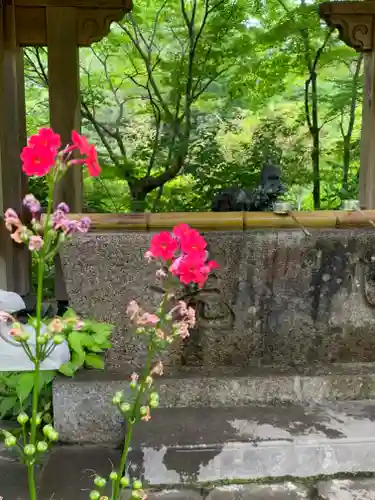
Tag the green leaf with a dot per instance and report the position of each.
(94, 361)
(67, 369)
(7, 404)
(25, 385)
(75, 344)
(46, 378)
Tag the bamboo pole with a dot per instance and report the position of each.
(230, 221)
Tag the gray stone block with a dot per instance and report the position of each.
(285, 491)
(280, 298)
(356, 489)
(181, 494)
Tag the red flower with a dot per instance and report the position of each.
(88, 150)
(81, 143)
(182, 230)
(47, 138)
(163, 245)
(193, 242)
(37, 160)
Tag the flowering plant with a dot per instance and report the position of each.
(183, 259)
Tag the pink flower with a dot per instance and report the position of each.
(191, 268)
(46, 138)
(163, 245)
(148, 319)
(182, 230)
(87, 150)
(63, 207)
(39, 155)
(79, 325)
(191, 317)
(31, 203)
(35, 243)
(134, 377)
(193, 242)
(83, 225)
(11, 219)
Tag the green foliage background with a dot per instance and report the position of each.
(185, 98)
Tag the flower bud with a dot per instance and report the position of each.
(38, 419)
(133, 384)
(53, 436)
(154, 403)
(29, 450)
(47, 429)
(125, 408)
(10, 441)
(137, 494)
(94, 495)
(154, 395)
(42, 447)
(124, 481)
(42, 339)
(137, 485)
(22, 419)
(100, 482)
(117, 398)
(113, 476)
(58, 339)
(140, 330)
(143, 411)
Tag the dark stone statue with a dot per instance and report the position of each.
(260, 199)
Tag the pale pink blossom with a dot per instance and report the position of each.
(133, 309)
(183, 329)
(35, 243)
(31, 203)
(19, 235)
(157, 369)
(147, 417)
(11, 219)
(148, 319)
(56, 325)
(79, 325)
(134, 377)
(191, 317)
(160, 273)
(148, 256)
(160, 334)
(6, 317)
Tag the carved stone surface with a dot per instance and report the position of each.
(280, 298)
(354, 20)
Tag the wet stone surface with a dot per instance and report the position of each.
(286, 491)
(358, 489)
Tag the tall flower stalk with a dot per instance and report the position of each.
(183, 260)
(43, 236)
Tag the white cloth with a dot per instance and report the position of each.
(11, 302)
(14, 359)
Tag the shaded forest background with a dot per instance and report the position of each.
(186, 97)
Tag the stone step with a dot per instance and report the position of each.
(84, 413)
(200, 445)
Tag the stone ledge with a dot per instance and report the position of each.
(348, 489)
(84, 413)
(285, 491)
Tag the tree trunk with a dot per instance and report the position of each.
(346, 163)
(316, 145)
(137, 199)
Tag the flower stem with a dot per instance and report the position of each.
(37, 361)
(132, 420)
(31, 480)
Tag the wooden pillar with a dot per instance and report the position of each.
(64, 101)
(14, 259)
(367, 167)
